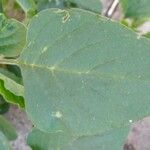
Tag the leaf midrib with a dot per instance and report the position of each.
(103, 75)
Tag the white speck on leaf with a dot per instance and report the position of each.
(57, 114)
(44, 49)
(130, 121)
(139, 36)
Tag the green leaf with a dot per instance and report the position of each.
(147, 35)
(111, 140)
(12, 73)
(45, 4)
(28, 6)
(7, 129)
(11, 9)
(4, 144)
(16, 71)
(4, 106)
(136, 9)
(84, 72)
(94, 5)
(12, 37)
(1, 6)
(39, 140)
(10, 89)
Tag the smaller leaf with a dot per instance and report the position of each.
(1, 6)
(4, 106)
(11, 72)
(4, 144)
(110, 140)
(147, 35)
(12, 37)
(7, 129)
(15, 70)
(28, 6)
(11, 9)
(94, 5)
(136, 9)
(39, 140)
(12, 91)
(45, 4)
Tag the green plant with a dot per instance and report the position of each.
(85, 77)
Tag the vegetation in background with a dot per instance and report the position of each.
(76, 73)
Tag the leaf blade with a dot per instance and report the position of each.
(28, 6)
(11, 91)
(7, 129)
(94, 5)
(88, 70)
(63, 141)
(12, 37)
(136, 9)
(4, 142)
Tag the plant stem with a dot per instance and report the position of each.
(8, 62)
